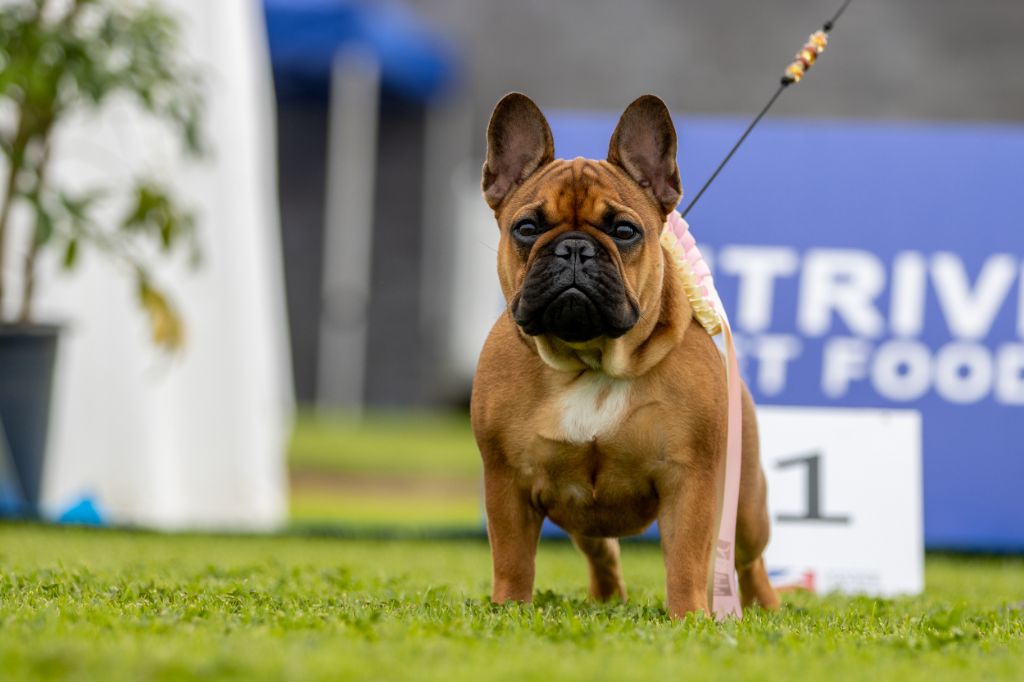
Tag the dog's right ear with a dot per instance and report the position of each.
(518, 143)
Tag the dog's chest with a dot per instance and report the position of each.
(586, 466)
(591, 407)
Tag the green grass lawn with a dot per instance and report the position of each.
(463, 513)
(82, 604)
(402, 443)
(411, 471)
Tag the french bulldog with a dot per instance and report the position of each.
(599, 402)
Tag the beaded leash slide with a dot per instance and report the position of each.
(709, 311)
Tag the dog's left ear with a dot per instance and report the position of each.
(644, 145)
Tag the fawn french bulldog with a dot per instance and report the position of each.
(599, 402)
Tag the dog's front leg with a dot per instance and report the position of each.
(513, 527)
(686, 522)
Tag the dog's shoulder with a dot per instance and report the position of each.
(507, 371)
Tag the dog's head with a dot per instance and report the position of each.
(580, 260)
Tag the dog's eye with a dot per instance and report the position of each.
(525, 230)
(625, 232)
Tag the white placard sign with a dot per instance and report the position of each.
(844, 493)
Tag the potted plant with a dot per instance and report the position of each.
(58, 59)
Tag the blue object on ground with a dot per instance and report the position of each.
(84, 513)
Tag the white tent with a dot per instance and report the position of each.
(195, 440)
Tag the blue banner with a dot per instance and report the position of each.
(875, 265)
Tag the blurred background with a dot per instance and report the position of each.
(356, 283)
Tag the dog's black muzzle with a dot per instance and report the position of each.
(574, 292)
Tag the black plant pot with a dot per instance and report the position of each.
(28, 354)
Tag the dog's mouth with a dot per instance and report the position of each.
(574, 299)
(573, 316)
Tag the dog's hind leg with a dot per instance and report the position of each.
(755, 588)
(752, 523)
(605, 566)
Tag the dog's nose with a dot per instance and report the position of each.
(575, 249)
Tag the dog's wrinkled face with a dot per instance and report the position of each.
(576, 236)
(579, 257)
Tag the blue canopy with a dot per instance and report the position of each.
(304, 35)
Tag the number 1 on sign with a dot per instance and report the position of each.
(813, 500)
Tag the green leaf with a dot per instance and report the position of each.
(44, 222)
(70, 254)
(78, 207)
(44, 228)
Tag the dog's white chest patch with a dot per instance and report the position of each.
(592, 406)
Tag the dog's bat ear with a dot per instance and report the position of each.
(644, 145)
(518, 143)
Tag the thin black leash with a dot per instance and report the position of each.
(807, 55)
